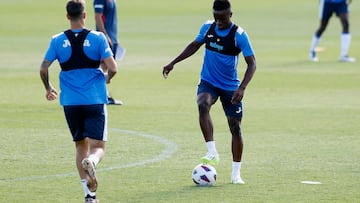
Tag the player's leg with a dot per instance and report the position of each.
(205, 100)
(236, 149)
(322, 28)
(95, 131)
(236, 141)
(345, 38)
(75, 121)
(89, 163)
(96, 151)
(234, 115)
(344, 19)
(325, 12)
(82, 151)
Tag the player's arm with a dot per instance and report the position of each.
(101, 27)
(250, 70)
(189, 50)
(51, 93)
(111, 68)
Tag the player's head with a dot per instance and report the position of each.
(222, 13)
(75, 9)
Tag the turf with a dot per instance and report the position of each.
(301, 119)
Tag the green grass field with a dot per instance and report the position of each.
(301, 119)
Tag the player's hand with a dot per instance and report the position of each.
(238, 95)
(51, 94)
(167, 69)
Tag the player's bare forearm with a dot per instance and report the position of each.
(239, 93)
(44, 73)
(251, 67)
(111, 68)
(189, 50)
(51, 93)
(99, 23)
(101, 27)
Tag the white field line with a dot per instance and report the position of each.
(170, 148)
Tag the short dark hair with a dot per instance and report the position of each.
(75, 9)
(220, 5)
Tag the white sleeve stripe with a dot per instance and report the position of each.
(98, 6)
(240, 30)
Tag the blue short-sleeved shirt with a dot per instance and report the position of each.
(85, 86)
(218, 69)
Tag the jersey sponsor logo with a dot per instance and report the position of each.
(67, 43)
(216, 46)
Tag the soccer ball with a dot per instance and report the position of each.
(204, 175)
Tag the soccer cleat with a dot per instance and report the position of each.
(89, 167)
(211, 159)
(312, 56)
(112, 101)
(237, 180)
(347, 59)
(89, 199)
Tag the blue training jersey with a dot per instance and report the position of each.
(108, 9)
(83, 86)
(218, 69)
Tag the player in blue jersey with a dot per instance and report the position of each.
(106, 22)
(326, 9)
(83, 90)
(218, 79)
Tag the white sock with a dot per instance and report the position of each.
(314, 43)
(345, 43)
(94, 159)
(236, 166)
(211, 147)
(86, 189)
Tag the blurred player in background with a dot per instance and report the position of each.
(223, 43)
(83, 92)
(326, 9)
(106, 22)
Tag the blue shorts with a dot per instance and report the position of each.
(231, 110)
(87, 121)
(327, 9)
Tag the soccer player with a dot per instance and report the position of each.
(83, 90)
(326, 10)
(106, 22)
(223, 41)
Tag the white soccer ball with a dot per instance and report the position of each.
(204, 175)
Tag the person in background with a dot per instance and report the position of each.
(83, 92)
(106, 22)
(224, 41)
(326, 10)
